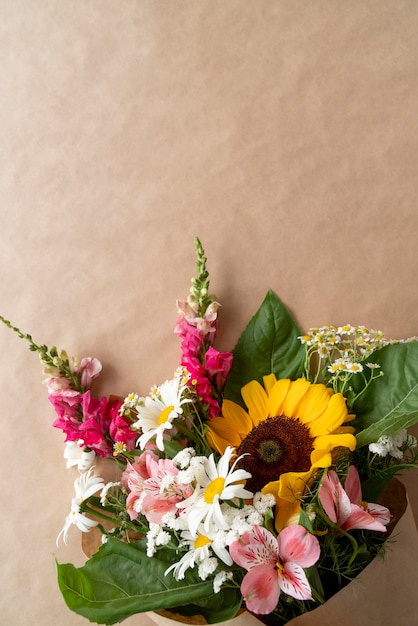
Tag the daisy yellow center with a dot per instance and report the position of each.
(165, 414)
(214, 488)
(277, 445)
(201, 541)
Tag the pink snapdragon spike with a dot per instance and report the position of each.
(154, 490)
(346, 508)
(274, 565)
(208, 368)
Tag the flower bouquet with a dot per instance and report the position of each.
(250, 479)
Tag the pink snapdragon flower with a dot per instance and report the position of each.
(274, 564)
(97, 417)
(206, 325)
(120, 430)
(218, 365)
(154, 490)
(345, 507)
(67, 407)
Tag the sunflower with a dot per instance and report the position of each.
(288, 432)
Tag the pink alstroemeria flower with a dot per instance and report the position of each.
(274, 565)
(345, 507)
(153, 486)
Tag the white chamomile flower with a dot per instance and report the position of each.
(215, 483)
(76, 454)
(156, 414)
(85, 486)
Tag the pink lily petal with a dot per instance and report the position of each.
(334, 499)
(293, 581)
(298, 546)
(352, 485)
(379, 512)
(260, 589)
(360, 518)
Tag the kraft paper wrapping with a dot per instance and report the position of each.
(283, 134)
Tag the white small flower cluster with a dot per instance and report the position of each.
(394, 446)
(347, 339)
(156, 536)
(342, 349)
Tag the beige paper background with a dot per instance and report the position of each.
(283, 134)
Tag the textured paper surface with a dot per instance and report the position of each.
(283, 134)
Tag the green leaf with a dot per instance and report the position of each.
(120, 580)
(268, 345)
(218, 608)
(390, 402)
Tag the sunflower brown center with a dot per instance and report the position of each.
(277, 445)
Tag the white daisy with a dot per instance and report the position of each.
(156, 414)
(215, 483)
(85, 486)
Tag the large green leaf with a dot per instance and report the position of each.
(120, 580)
(268, 345)
(390, 403)
(218, 608)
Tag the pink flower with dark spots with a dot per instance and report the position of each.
(274, 564)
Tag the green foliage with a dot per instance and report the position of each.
(390, 403)
(121, 580)
(269, 344)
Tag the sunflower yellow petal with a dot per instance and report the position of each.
(321, 458)
(297, 390)
(216, 442)
(255, 399)
(314, 403)
(277, 396)
(293, 485)
(329, 442)
(334, 415)
(269, 381)
(237, 419)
